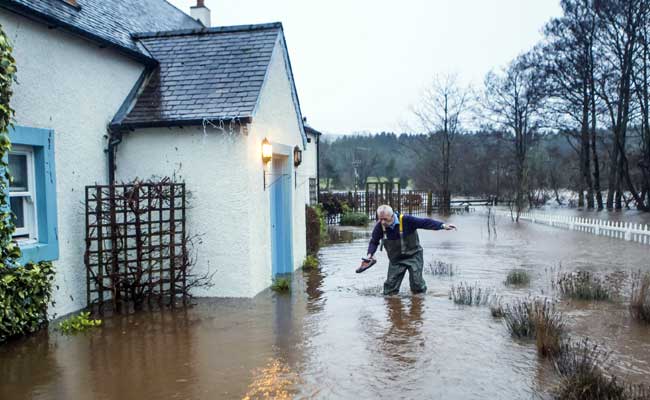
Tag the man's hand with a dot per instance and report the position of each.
(448, 227)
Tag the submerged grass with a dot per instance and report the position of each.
(440, 268)
(469, 295)
(536, 319)
(281, 285)
(582, 285)
(640, 299)
(584, 371)
(311, 262)
(518, 277)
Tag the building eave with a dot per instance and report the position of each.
(37, 16)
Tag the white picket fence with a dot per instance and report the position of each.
(617, 229)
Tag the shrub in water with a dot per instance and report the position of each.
(518, 277)
(496, 307)
(469, 295)
(441, 268)
(582, 285)
(354, 219)
(536, 319)
(78, 323)
(281, 285)
(640, 301)
(584, 370)
(310, 262)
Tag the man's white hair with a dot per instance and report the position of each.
(386, 210)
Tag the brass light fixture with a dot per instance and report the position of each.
(297, 156)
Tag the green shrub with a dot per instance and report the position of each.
(640, 300)
(25, 292)
(310, 262)
(469, 295)
(518, 277)
(316, 228)
(354, 219)
(78, 323)
(281, 285)
(582, 285)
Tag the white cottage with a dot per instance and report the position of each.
(123, 89)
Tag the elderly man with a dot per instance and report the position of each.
(398, 234)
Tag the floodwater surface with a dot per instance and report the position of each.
(336, 337)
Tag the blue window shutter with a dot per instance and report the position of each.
(42, 142)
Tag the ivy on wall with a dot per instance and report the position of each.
(25, 291)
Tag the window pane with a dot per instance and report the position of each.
(18, 169)
(18, 208)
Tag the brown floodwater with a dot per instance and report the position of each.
(336, 336)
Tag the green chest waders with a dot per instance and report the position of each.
(404, 254)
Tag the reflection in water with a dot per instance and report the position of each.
(403, 341)
(275, 381)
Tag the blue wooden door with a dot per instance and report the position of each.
(281, 218)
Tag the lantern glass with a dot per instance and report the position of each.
(267, 150)
(297, 156)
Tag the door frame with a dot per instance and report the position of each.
(279, 264)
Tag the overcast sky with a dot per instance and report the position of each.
(360, 64)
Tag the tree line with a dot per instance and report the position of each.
(572, 112)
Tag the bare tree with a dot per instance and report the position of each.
(565, 60)
(440, 112)
(513, 101)
(621, 23)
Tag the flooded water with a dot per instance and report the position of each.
(336, 336)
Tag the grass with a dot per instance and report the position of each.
(539, 320)
(584, 370)
(640, 299)
(469, 295)
(440, 268)
(518, 277)
(582, 285)
(281, 285)
(310, 263)
(354, 219)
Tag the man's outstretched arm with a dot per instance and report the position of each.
(427, 223)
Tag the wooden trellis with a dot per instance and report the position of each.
(136, 246)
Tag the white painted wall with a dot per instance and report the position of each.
(70, 85)
(276, 119)
(214, 166)
(224, 172)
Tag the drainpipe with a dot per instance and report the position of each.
(317, 169)
(114, 139)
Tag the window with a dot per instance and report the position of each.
(22, 196)
(32, 194)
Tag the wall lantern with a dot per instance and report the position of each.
(267, 151)
(297, 156)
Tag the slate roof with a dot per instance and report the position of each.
(212, 73)
(108, 21)
(311, 131)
